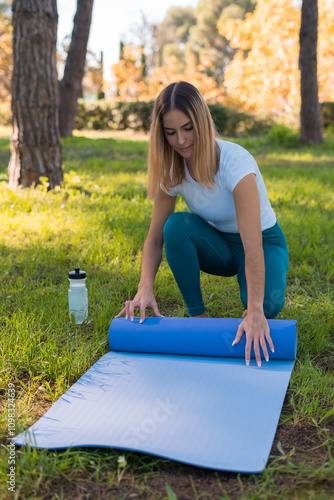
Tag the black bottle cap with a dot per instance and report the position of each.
(77, 274)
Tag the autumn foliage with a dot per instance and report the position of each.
(6, 58)
(132, 85)
(264, 74)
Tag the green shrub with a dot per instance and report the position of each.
(283, 136)
(230, 122)
(103, 115)
(136, 116)
(327, 111)
(330, 131)
(114, 115)
(5, 113)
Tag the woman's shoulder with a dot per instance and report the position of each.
(228, 148)
(235, 162)
(232, 154)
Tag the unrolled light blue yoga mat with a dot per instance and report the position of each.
(176, 388)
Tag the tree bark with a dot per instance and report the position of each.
(35, 142)
(70, 88)
(310, 115)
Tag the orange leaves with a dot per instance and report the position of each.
(6, 58)
(128, 74)
(266, 76)
(326, 50)
(131, 85)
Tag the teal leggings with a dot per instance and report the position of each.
(193, 245)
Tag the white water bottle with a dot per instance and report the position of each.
(78, 296)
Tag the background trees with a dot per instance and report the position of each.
(131, 85)
(35, 142)
(211, 49)
(70, 88)
(186, 31)
(264, 75)
(171, 36)
(310, 116)
(243, 54)
(186, 45)
(6, 57)
(249, 62)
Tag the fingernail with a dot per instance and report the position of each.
(272, 350)
(267, 358)
(141, 320)
(126, 317)
(132, 318)
(247, 362)
(233, 342)
(259, 363)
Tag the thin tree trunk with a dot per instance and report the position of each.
(35, 142)
(310, 114)
(70, 88)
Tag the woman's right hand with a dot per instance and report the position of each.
(144, 298)
(164, 206)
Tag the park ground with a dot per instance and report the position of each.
(99, 219)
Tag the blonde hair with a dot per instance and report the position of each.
(161, 157)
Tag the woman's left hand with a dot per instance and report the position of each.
(257, 331)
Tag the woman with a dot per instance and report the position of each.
(231, 228)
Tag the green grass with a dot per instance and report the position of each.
(98, 221)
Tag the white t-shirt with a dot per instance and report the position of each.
(216, 205)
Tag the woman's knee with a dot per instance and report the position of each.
(273, 304)
(177, 226)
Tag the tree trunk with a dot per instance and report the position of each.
(70, 87)
(310, 114)
(35, 142)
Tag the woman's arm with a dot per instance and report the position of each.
(164, 206)
(255, 325)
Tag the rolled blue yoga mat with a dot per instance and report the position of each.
(176, 388)
(196, 337)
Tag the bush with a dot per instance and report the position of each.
(136, 116)
(103, 115)
(329, 131)
(114, 115)
(233, 123)
(5, 113)
(327, 112)
(283, 136)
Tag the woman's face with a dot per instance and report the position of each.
(179, 133)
